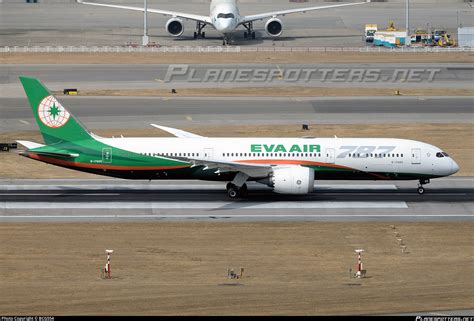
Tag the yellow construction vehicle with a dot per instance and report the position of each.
(391, 26)
(446, 41)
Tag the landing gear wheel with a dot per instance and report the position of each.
(232, 191)
(243, 191)
(422, 182)
(195, 35)
(203, 35)
(253, 35)
(245, 35)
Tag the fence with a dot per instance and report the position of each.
(230, 49)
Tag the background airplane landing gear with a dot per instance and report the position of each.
(421, 190)
(199, 33)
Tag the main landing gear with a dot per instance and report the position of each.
(237, 188)
(237, 192)
(421, 189)
(249, 33)
(199, 33)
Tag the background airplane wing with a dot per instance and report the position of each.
(178, 132)
(273, 14)
(183, 15)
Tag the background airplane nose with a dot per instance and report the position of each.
(225, 25)
(454, 167)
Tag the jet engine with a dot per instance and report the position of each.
(274, 27)
(291, 180)
(175, 27)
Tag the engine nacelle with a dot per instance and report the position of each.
(175, 27)
(292, 180)
(274, 27)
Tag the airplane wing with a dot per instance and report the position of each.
(291, 11)
(178, 132)
(252, 170)
(173, 14)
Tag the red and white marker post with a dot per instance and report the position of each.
(359, 264)
(107, 266)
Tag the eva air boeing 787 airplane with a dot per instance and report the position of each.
(287, 165)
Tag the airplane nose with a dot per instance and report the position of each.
(454, 167)
(225, 25)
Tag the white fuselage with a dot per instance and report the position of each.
(369, 155)
(224, 15)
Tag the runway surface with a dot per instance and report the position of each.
(139, 112)
(447, 199)
(74, 24)
(164, 76)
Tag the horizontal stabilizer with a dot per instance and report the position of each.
(51, 154)
(44, 150)
(177, 132)
(29, 145)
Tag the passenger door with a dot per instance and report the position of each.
(106, 155)
(330, 155)
(416, 156)
(208, 153)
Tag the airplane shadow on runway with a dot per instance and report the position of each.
(237, 38)
(445, 195)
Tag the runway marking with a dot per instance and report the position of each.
(60, 194)
(204, 205)
(235, 216)
(23, 121)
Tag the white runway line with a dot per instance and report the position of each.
(203, 205)
(217, 216)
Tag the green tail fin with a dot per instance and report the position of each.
(54, 121)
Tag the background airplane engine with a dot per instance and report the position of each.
(175, 27)
(292, 180)
(274, 27)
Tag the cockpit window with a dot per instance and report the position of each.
(225, 15)
(445, 154)
(439, 155)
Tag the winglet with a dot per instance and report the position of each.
(177, 132)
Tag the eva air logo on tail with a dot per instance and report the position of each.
(52, 113)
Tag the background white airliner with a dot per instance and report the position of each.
(225, 18)
(287, 165)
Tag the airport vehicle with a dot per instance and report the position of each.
(287, 165)
(446, 41)
(370, 30)
(224, 17)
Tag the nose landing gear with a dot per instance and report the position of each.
(226, 40)
(421, 189)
